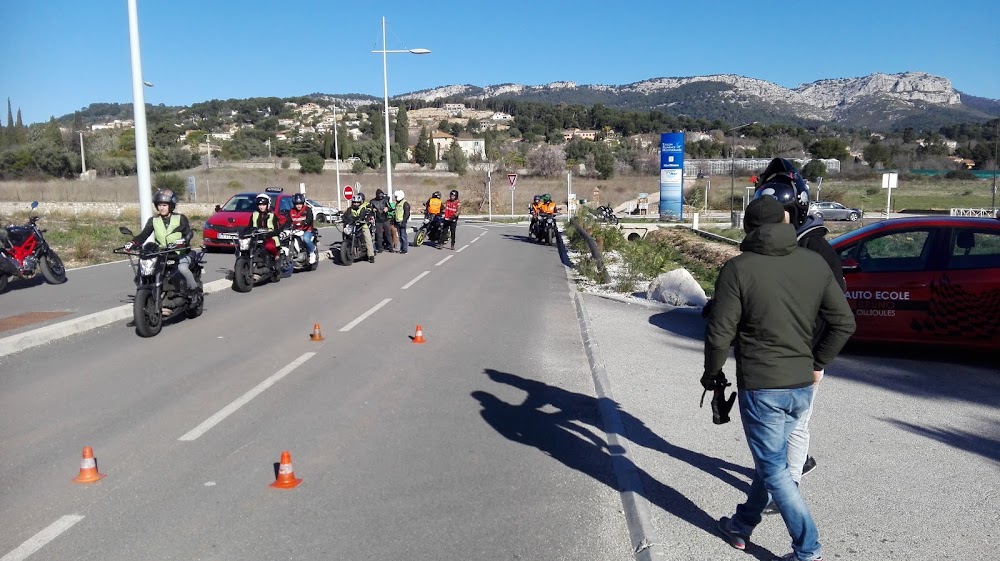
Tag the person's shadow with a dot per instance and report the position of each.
(573, 433)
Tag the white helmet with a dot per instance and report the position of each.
(399, 195)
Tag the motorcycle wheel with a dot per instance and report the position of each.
(242, 275)
(445, 235)
(420, 237)
(196, 311)
(52, 268)
(148, 320)
(346, 253)
(550, 237)
(286, 266)
(4, 280)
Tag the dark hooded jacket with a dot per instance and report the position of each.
(767, 300)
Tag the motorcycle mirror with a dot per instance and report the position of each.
(125, 230)
(34, 205)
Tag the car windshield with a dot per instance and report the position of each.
(240, 203)
(313, 203)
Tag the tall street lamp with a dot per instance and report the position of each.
(732, 174)
(996, 152)
(385, 98)
(139, 112)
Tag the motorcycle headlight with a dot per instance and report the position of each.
(348, 229)
(244, 244)
(147, 266)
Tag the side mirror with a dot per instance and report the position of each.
(34, 205)
(849, 264)
(218, 208)
(125, 231)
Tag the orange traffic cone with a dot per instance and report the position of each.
(286, 475)
(419, 337)
(88, 468)
(317, 335)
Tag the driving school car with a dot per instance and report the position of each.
(222, 228)
(927, 280)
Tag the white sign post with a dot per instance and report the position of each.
(889, 181)
(512, 178)
(489, 192)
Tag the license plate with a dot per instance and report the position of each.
(228, 236)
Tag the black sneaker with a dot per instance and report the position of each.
(791, 557)
(371, 259)
(732, 538)
(771, 508)
(810, 465)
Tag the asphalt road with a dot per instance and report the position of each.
(406, 451)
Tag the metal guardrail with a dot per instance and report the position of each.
(595, 250)
(978, 212)
(714, 237)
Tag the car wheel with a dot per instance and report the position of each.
(321, 217)
(853, 217)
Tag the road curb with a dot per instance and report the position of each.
(36, 337)
(645, 547)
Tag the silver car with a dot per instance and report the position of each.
(829, 210)
(323, 213)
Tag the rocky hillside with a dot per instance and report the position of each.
(875, 101)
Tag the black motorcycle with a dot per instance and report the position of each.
(353, 247)
(545, 228)
(606, 214)
(24, 252)
(253, 262)
(159, 287)
(294, 248)
(432, 230)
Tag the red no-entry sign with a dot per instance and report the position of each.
(348, 192)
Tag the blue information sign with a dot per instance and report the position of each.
(671, 176)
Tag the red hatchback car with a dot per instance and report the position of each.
(223, 227)
(928, 280)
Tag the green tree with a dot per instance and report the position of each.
(604, 161)
(311, 163)
(328, 144)
(52, 133)
(814, 170)
(877, 153)
(11, 135)
(401, 136)
(456, 159)
(825, 148)
(422, 151)
(20, 133)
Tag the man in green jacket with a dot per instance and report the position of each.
(767, 300)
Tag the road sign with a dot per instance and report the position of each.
(890, 180)
(512, 178)
(348, 192)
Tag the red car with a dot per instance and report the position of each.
(928, 280)
(223, 227)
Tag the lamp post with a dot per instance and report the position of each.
(732, 174)
(336, 151)
(83, 158)
(385, 98)
(996, 152)
(139, 112)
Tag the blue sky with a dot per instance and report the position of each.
(57, 56)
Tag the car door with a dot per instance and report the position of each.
(888, 275)
(965, 297)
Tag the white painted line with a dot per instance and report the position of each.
(244, 399)
(481, 235)
(474, 240)
(41, 538)
(365, 315)
(414, 281)
(443, 260)
(461, 248)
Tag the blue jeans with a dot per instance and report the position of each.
(769, 417)
(404, 244)
(307, 238)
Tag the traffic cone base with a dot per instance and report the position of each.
(286, 475)
(88, 468)
(419, 337)
(317, 335)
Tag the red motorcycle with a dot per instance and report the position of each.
(24, 252)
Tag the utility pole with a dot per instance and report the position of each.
(83, 161)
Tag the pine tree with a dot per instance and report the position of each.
(52, 133)
(420, 154)
(401, 133)
(20, 133)
(432, 150)
(11, 134)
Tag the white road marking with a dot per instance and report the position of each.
(475, 239)
(244, 399)
(461, 248)
(365, 315)
(414, 281)
(443, 260)
(41, 538)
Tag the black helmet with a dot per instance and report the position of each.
(538, 198)
(299, 199)
(453, 193)
(165, 196)
(358, 198)
(783, 182)
(436, 195)
(262, 199)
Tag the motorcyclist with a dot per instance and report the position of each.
(262, 218)
(452, 208)
(360, 214)
(169, 228)
(432, 211)
(300, 218)
(380, 209)
(534, 209)
(547, 206)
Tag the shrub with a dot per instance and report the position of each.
(285, 164)
(311, 163)
(234, 185)
(171, 181)
(358, 167)
(960, 174)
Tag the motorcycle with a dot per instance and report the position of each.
(545, 228)
(606, 214)
(253, 262)
(353, 245)
(432, 229)
(295, 248)
(159, 286)
(24, 252)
